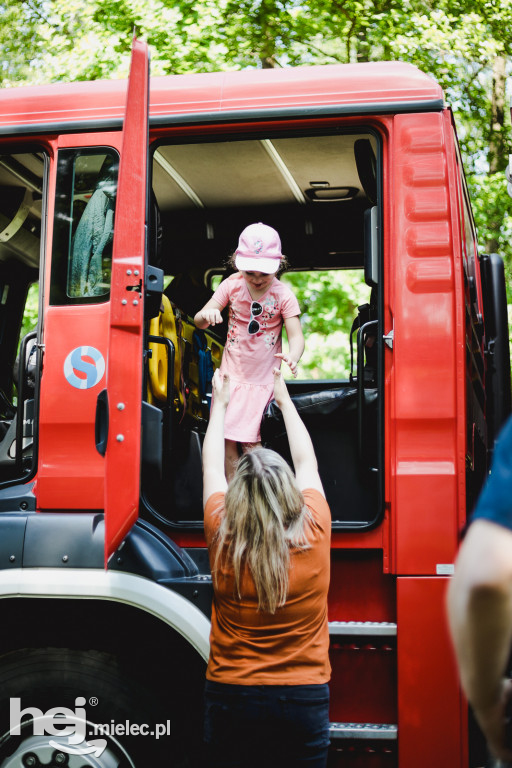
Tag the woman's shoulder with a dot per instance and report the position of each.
(315, 497)
(213, 510)
(318, 506)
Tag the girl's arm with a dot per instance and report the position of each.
(295, 343)
(214, 477)
(301, 447)
(208, 315)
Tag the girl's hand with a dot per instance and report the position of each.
(220, 387)
(210, 316)
(281, 394)
(292, 364)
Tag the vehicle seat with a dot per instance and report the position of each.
(331, 418)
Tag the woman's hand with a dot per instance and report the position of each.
(220, 388)
(281, 394)
(292, 364)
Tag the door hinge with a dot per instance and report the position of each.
(389, 338)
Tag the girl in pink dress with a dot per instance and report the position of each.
(259, 304)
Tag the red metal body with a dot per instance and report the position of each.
(210, 93)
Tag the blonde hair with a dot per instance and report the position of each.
(264, 517)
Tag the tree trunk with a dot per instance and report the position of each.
(497, 145)
(497, 156)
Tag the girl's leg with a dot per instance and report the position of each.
(231, 457)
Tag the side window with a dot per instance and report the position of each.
(84, 225)
(476, 430)
(329, 302)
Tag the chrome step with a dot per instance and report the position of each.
(372, 731)
(359, 628)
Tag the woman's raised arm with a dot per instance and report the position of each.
(301, 446)
(214, 477)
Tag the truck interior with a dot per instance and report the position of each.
(321, 191)
(21, 214)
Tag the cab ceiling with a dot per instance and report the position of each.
(276, 171)
(310, 188)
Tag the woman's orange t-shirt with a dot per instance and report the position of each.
(290, 647)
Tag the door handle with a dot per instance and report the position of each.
(101, 422)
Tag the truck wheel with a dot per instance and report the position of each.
(85, 690)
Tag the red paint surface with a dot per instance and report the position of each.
(378, 83)
(431, 716)
(124, 377)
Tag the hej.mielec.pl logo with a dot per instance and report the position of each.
(61, 722)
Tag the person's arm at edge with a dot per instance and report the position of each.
(214, 477)
(480, 620)
(301, 446)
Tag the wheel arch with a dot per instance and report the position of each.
(121, 613)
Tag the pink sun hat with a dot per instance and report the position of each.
(259, 249)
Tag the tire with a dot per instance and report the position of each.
(96, 690)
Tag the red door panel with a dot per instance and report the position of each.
(125, 367)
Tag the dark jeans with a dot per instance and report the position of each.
(266, 726)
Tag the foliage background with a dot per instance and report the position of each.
(466, 46)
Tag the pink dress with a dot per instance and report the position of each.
(254, 337)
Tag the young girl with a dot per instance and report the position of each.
(259, 304)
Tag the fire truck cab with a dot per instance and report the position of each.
(119, 208)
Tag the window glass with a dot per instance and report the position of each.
(328, 300)
(84, 225)
(29, 325)
(31, 312)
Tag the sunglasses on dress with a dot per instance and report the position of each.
(253, 326)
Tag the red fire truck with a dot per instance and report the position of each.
(120, 217)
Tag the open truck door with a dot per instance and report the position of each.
(118, 421)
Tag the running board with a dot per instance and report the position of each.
(368, 731)
(360, 628)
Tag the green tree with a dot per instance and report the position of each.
(466, 46)
(31, 313)
(329, 302)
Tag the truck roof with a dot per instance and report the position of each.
(365, 88)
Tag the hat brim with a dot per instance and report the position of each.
(257, 264)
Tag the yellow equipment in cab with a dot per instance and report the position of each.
(176, 326)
